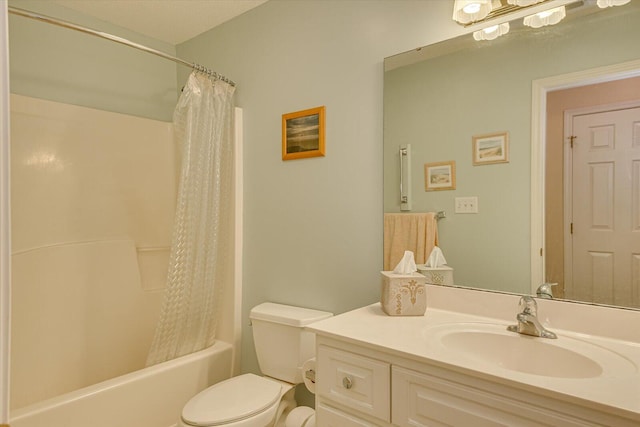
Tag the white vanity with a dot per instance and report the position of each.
(459, 366)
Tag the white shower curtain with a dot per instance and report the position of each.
(199, 260)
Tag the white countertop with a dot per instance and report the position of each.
(616, 390)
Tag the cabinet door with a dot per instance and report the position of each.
(424, 400)
(354, 381)
(327, 416)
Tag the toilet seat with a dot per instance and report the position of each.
(231, 400)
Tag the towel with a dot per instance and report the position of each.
(415, 232)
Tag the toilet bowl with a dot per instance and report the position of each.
(248, 400)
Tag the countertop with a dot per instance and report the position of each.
(616, 390)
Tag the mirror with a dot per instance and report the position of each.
(439, 97)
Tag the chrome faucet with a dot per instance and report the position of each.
(528, 323)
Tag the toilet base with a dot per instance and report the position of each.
(301, 416)
(286, 406)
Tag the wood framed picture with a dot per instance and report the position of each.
(491, 148)
(303, 134)
(440, 176)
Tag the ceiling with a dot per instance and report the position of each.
(172, 21)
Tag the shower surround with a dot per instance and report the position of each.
(93, 196)
(93, 199)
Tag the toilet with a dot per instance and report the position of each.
(249, 400)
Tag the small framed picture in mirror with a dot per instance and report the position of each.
(491, 148)
(440, 176)
(303, 134)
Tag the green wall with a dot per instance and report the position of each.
(313, 227)
(62, 65)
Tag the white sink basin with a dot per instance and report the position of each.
(491, 345)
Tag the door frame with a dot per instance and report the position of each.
(539, 90)
(5, 220)
(567, 172)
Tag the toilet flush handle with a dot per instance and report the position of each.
(309, 374)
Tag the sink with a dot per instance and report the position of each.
(491, 345)
(523, 353)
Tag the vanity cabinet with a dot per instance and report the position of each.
(358, 385)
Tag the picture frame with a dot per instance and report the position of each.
(303, 134)
(440, 176)
(491, 148)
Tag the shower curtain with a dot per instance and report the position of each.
(199, 259)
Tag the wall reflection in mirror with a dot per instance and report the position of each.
(440, 97)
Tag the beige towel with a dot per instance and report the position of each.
(416, 232)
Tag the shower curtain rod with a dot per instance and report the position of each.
(65, 24)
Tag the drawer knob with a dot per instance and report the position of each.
(347, 382)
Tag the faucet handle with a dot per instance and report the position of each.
(545, 290)
(528, 305)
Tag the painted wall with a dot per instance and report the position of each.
(313, 227)
(61, 65)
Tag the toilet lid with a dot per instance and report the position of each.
(231, 400)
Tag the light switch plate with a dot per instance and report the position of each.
(466, 205)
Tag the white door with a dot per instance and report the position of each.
(605, 208)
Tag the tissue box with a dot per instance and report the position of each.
(403, 294)
(437, 275)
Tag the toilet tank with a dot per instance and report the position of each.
(282, 344)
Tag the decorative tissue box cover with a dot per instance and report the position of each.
(403, 294)
(437, 275)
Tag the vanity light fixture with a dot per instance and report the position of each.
(524, 3)
(467, 11)
(491, 33)
(608, 3)
(546, 17)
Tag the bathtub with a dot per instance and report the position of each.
(151, 397)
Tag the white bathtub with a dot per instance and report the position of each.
(151, 397)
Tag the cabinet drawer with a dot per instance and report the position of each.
(327, 416)
(424, 400)
(354, 381)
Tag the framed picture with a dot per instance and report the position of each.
(303, 134)
(491, 148)
(440, 176)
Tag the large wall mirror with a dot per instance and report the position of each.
(438, 98)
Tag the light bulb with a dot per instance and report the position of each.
(545, 14)
(546, 17)
(609, 3)
(491, 33)
(471, 8)
(467, 11)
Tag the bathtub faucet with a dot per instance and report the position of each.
(528, 323)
